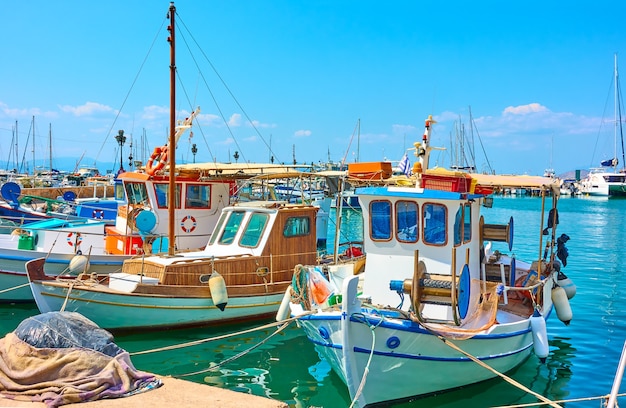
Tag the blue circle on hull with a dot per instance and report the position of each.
(393, 342)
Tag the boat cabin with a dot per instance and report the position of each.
(256, 243)
(145, 213)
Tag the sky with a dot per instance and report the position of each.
(530, 83)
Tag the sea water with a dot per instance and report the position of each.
(583, 356)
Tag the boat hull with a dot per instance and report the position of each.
(13, 272)
(403, 349)
(120, 311)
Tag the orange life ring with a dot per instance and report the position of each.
(70, 239)
(184, 226)
(160, 156)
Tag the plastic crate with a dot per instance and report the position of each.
(453, 183)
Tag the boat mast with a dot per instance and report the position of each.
(172, 142)
(615, 104)
(50, 151)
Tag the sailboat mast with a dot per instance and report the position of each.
(33, 145)
(615, 105)
(172, 142)
(50, 151)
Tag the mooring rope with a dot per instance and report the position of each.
(214, 366)
(14, 288)
(366, 371)
(496, 372)
(537, 404)
(225, 336)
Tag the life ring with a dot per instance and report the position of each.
(160, 156)
(183, 224)
(97, 214)
(71, 239)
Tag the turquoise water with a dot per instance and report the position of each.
(583, 356)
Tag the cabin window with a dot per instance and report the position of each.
(119, 191)
(254, 230)
(161, 191)
(467, 223)
(136, 193)
(434, 224)
(231, 227)
(380, 220)
(463, 225)
(198, 196)
(218, 228)
(406, 221)
(297, 227)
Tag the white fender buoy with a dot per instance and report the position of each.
(561, 304)
(217, 285)
(540, 336)
(284, 311)
(567, 284)
(79, 264)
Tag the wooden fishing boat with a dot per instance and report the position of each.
(435, 307)
(254, 248)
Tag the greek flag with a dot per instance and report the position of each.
(405, 165)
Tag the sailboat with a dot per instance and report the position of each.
(607, 180)
(241, 274)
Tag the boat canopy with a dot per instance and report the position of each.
(510, 181)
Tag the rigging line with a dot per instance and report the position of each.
(482, 146)
(119, 111)
(230, 131)
(191, 107)
(343, 161)
(229, 91)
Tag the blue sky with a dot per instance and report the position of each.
(537, 76)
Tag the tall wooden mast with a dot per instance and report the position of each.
(172, 141)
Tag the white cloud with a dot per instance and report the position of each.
(154, 112)
(258, 125)
(525, 109)
(302, 133)
(88, 108)
(235, 120)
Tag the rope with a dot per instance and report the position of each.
(69, 290)
(14, 288)
(214, 367)
(536, 404)
(366, 371)
(225, 336)
(503, 376)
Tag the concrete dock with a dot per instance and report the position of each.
(173, 393)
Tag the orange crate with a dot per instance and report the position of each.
(458, 184)
(118, 244)
(370, 170)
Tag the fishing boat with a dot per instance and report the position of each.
(252, 253)
(241, 274)
(437, 306)
(608, 180)
(143, 225)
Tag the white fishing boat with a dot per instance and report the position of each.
(142, 225)
(435, 308)
(609, 180)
